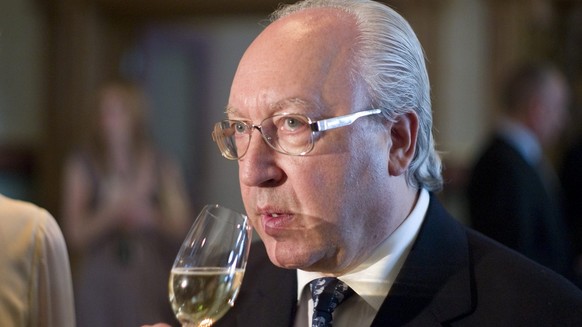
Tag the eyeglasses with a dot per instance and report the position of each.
(291, 134)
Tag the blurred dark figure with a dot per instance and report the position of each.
(125, 213)
(514, 194)
(571, 176)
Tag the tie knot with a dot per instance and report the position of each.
(327, 294)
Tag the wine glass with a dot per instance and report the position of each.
(209, 267)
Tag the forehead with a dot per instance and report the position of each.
(303, 59)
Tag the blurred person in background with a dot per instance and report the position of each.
(514, 193)
(126, 210)
(35, 276)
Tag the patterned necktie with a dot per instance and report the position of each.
(327, 294)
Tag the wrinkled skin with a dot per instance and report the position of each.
(325, 211)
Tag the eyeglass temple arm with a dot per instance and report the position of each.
(335, 122)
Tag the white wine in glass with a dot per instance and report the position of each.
(209, 267)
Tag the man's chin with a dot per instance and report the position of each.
(289, 256)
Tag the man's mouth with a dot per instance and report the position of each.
(276, 222)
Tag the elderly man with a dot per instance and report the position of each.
(329, 118)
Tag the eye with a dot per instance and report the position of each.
(292, 123)
(239, 127)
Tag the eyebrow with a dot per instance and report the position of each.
(291, 101)
(281, 104)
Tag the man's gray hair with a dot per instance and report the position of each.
(390, 59)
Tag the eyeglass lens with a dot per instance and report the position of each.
(290, 134)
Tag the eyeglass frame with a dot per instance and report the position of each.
(315, 126)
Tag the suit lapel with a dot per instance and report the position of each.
(276, 308)
(434, 284)
(268, 295)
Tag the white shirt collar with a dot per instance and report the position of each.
(373, 279)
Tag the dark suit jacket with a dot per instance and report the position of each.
(509, 202)
(453, 276)
(571, 176)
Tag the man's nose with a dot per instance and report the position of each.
(258, 167)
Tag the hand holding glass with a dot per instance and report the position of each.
(209, 267)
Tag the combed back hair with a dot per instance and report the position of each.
(526, 82)
(389, 58)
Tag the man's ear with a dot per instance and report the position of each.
(403, 133)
